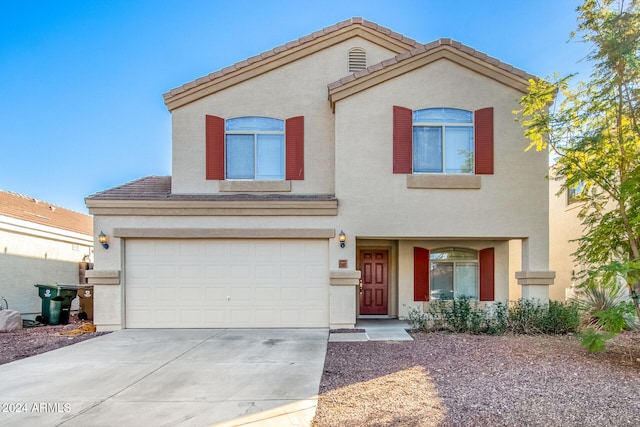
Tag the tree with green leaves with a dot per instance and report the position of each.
(593, 133)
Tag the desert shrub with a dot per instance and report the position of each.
(561, 318)
(464, 315)
(606, 311)
(599, 295)
(526, 317)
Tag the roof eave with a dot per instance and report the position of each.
(409, 61)
(284, 55)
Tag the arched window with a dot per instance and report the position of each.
(453, 273)
(357, 59)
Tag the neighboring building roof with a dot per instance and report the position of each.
(159, 188)
(443, 48)
(29, 209)
(289, 52)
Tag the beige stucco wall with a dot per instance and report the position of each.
(512, 203)
(296, 89)
(564, 226)
(35, 254)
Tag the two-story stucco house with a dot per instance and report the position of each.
(352, 172)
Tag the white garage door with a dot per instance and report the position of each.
(226, 283)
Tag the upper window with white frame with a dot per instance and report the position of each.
(443, 141)
(255, 148)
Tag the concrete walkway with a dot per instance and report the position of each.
(375, 330)
(192, 377)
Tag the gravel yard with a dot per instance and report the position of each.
(450, 379)
(31, 341)
(466, 380)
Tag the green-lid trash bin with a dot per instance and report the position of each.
(47, 293)
(55, 310)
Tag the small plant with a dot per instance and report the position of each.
(497, 319)
(593, 340)
(418, 321)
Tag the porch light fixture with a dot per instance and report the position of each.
(102, 238)
(342, 238)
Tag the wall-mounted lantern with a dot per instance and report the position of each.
(102, 238)
(342, 238)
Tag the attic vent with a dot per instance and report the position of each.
(357, 59)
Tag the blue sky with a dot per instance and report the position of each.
(81, 82)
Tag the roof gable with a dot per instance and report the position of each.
(36, 211)
(285, 54)
(423, 55)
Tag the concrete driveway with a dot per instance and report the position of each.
(162, 377)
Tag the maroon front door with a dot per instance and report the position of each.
(374, 267)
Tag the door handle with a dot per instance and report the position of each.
(360, 285)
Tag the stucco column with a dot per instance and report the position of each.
(342, 298)
(107, 309)
(535, 277)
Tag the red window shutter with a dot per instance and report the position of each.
(487, 274)
(402, 140)
(484, 141)
(420, 274)
(295, 148)
(214, 150)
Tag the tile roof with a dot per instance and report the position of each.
(287, 46)
(156, 188)
(36, 211)
(426, 48)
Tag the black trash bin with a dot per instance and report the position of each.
(68, 292)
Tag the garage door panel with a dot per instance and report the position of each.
(190, 272)
(266, 249)
(215, 317)
(166, 272)
(234, 283)
(215, 293)
(266, 273)
(240, 272)
(266, 295)
(191, 295)
(166, 295)
(314, 296)
(216, 272)
(266, 316)
(192, 317)
(192, 249)
(312, 316)
(240, 248)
